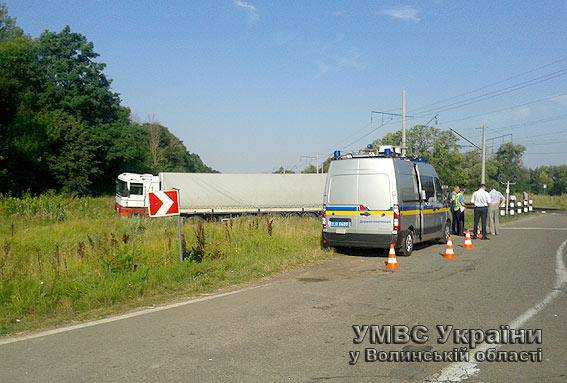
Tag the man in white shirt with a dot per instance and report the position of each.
(496, 199)
(480, 199)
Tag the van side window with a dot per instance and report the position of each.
(438, 191)
(428, 186)
(408, 187)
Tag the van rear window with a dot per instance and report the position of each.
(342, 190)
(374, 191)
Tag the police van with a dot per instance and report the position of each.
(374, 199)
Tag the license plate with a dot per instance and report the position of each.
(339, 223)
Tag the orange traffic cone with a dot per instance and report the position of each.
(468, 243)
(478, 233)
(449, 254)
(392, 263)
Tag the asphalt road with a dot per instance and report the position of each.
(298, 327)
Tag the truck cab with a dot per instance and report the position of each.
(132, 193)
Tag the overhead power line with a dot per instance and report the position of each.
(539, 143)
(545, 153)
(523, 124)
(499, 92)
(367, 134)
(496, 111)
(489, 85)
(530, 137)
(455, 104)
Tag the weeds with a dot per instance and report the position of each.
(227, 229)
(76, 258)
(81, 250)
(198, 251)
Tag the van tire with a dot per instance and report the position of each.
(406, 243)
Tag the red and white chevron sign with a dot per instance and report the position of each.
(163, 203)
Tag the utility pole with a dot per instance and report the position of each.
(483, 172)
(404, 112)
(508, 183)
(316, 158)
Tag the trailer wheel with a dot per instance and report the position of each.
(406, 243)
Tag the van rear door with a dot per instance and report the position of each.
(374, 200)
(341, 207)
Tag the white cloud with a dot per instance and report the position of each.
(351, 61)
(334, 64)
(248, 8)
(402, 12)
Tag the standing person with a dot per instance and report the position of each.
(458, 211)
(480, 199)
(496, 199)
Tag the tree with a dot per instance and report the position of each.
(75, 82)
(510, 167)
(438, 147)
(62, 127)
(168, 153)
(309, 169)
(8, 27)
(72, 157)
(282, 170)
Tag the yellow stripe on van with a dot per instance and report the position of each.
(410, 212)
(384, 213)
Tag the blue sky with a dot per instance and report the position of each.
(253, 84)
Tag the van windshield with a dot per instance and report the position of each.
(370, 190)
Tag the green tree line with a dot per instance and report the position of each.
(63, 128)
(458, 167)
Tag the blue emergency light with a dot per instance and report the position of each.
(336, 154)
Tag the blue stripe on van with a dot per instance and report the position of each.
(341, 208)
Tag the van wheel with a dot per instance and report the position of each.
(406, 244)
(446, 232)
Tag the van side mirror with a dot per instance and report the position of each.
(422, 195)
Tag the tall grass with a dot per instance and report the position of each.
(65, 258)
(550, 202)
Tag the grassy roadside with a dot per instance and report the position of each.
(550, 202)
(65, 259)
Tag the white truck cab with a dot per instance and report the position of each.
(132, 193)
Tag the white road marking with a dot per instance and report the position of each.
(459, 371)
(133, 314)
(535, 228)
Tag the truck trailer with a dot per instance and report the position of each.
(224, 194)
